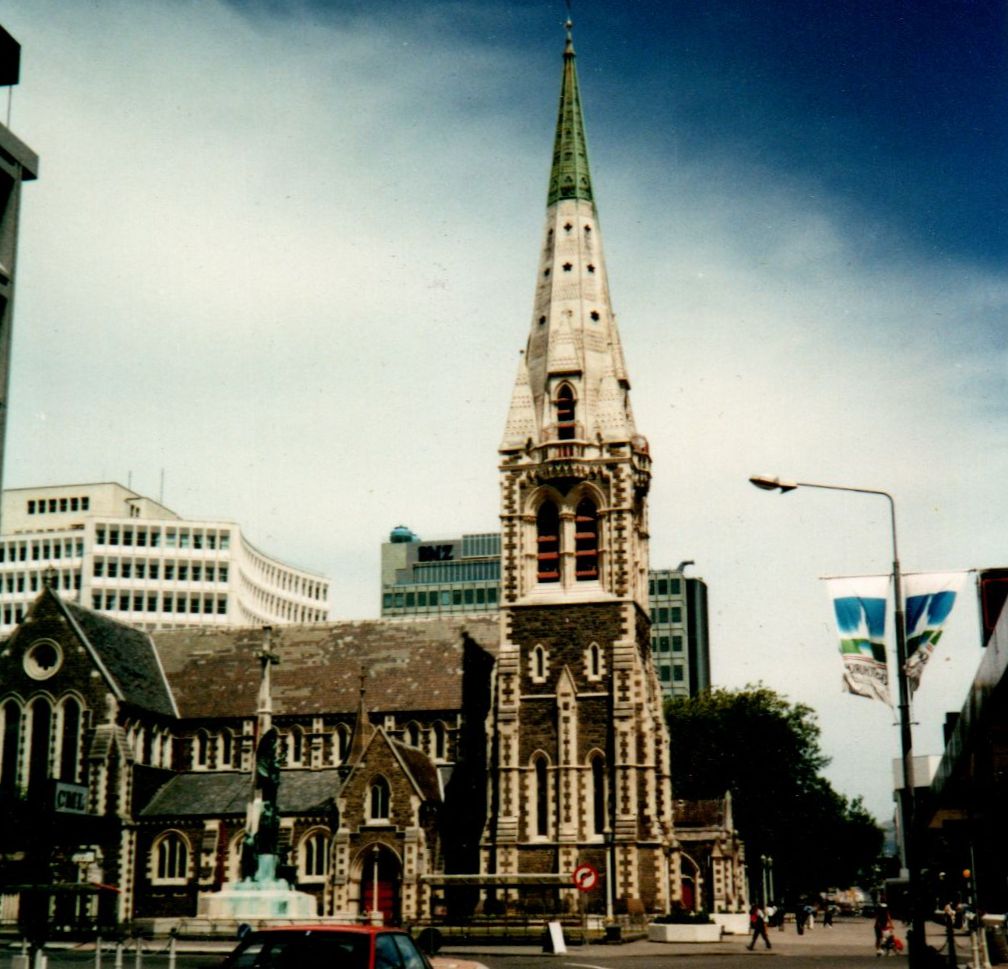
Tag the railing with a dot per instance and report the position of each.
(578, 447)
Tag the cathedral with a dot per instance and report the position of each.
(431, 768)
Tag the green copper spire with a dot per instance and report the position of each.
(569, 177)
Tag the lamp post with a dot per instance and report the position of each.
(916, 946)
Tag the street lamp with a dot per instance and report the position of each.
(916, 947)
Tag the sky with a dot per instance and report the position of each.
(283, 253)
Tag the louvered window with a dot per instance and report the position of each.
(565, 414)
(548, 539)
(586, 540)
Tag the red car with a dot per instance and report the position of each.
(328, 947)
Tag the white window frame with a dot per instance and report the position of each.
(181, 842)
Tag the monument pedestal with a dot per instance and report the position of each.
(264, 896)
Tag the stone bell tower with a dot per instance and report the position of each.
(581, 751)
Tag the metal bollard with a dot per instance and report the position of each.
(171, 952)
(138, 954)
(97, 951)
(119, 955)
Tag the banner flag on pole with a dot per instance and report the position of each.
(930, 597)
(859, 604)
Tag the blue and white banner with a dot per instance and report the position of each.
(859, 604)
(929, 598)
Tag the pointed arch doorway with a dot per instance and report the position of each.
(382, 894)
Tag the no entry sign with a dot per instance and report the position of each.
(585, 878)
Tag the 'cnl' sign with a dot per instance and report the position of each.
(70, 798)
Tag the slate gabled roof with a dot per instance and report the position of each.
(128, 657)
(703, 813)
(410, 665)
(422, 768)
(227, 793)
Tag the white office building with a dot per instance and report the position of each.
(115, 551)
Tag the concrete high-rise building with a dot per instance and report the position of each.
(110, 549)
(18, 164)
(679, 631)
(439, 576)
(462, 575)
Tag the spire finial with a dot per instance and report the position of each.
(569, 176)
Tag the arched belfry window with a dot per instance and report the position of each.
(586, 540)
(548, 542)
(565, 411)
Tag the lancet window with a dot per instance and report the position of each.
(541, 799)
(11, 744)
(379, 797)
(171, 858)
(70, 740)
(38, 758)
(598, 794)
(314, 855)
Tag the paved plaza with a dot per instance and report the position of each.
(849, 943)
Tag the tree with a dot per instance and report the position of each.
(766, 751)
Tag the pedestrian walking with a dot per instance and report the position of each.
(799, 917)
(883, 926)
(757, 925)
(827, 916)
